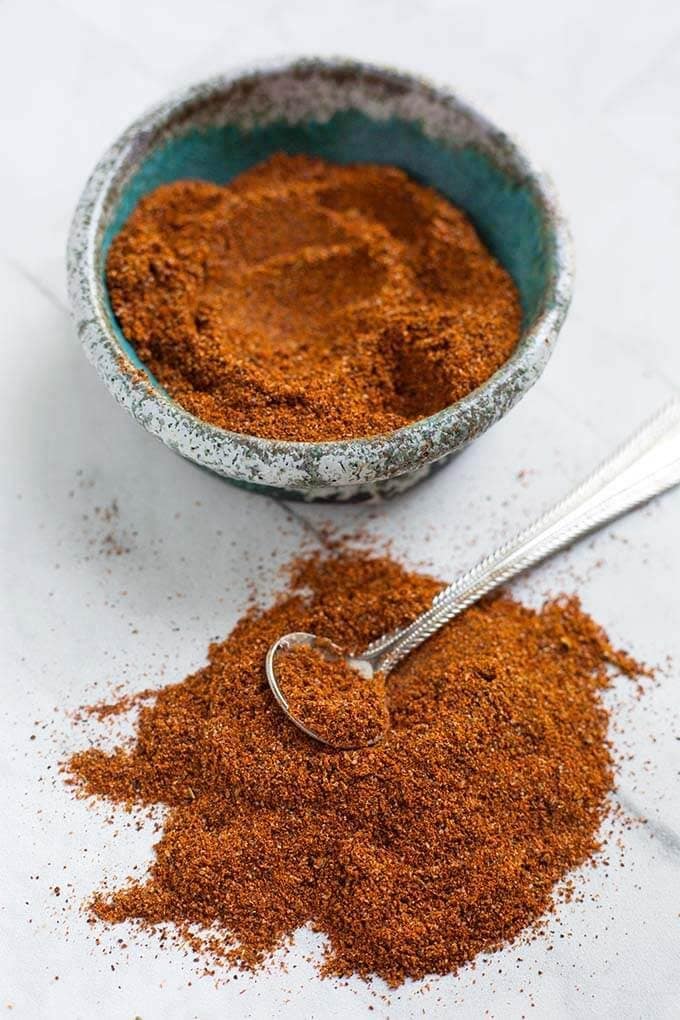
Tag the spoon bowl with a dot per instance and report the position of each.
(329, 650)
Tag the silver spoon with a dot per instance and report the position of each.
(646, 465)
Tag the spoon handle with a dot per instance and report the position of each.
(646, 465)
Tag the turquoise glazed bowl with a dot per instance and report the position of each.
(345, 112)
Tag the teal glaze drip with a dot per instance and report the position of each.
(503, 209)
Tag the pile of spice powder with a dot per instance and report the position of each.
(445, 840)
(331, 698)
(310, 301)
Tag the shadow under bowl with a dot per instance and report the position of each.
(345, 112)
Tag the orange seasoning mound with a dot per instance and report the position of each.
(445, 840)
(310, 301)
(333, 700)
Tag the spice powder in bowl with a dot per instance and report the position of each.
(446, 839)
(310, 301)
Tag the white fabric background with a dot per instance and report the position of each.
(592, 89)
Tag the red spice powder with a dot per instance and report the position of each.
(333, 700)
(309, 301)
(445, 840)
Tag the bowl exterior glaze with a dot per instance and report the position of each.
(347, 112)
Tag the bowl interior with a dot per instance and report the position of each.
(504, 210)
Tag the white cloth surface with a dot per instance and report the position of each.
(592, 90)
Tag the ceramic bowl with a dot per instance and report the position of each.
(345, 112)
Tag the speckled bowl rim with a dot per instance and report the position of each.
(299, 465)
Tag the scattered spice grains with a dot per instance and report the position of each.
(333, 700)
(310, 301)
(445, 840)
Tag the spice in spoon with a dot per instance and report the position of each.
(310, 301)
(334, 701)
(449, 838)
